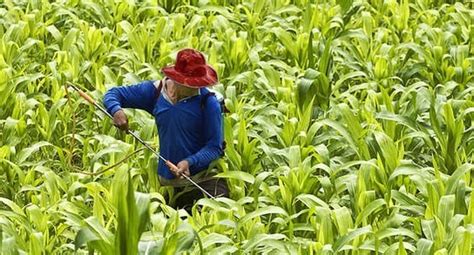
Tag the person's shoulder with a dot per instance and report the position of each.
(209, 98)
(148, 83)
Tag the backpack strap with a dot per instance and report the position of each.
(221, 102)
(158, 89)
(204, 98)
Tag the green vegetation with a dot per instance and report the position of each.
(350, 128)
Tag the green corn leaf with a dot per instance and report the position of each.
(346, 239)
(310, 50)
(460, 201)
(466, 246)
(27, 152)
(325, 234)
(388, 149)
(370, 209)
(429, 228)
(392, 232)
(95, 236)
(85, 236)
(215, 239)
(311, 201)
(345, 5)
(150, 246)
(238, 175)
(263, 211)
(343, 220)
(348, 77)
(179, 241)
(262, 239)
(69, 39)
(13, 206)
(355, 129)
(409, 202)
(401, 248)
(423, 246)
(324, 62)
(454, 178)
(55, 32)
(443, 251)
(343, 131)
(133, 214)
(287, 40)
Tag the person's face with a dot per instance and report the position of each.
(179, 89)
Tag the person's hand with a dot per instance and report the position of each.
(120, 120)
(183, 169)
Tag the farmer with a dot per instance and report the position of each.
(189, 124)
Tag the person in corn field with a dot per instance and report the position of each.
(189, 122)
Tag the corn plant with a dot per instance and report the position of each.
(350, 131)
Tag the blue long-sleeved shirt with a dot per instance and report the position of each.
(186, 130)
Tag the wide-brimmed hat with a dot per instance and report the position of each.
(191, 70)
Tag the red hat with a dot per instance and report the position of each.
(191, 70)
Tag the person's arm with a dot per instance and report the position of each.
(214, 137)
(138, 96)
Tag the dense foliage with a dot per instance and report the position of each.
(350, 128)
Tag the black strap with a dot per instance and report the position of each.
(204, 98)
(158, 90)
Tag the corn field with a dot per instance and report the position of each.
(350, 128)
